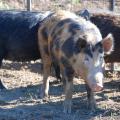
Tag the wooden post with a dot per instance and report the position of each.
(29, 5)
(113, 5)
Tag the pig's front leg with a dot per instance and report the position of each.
(91, 99)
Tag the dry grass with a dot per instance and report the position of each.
(43, 5)
(21, 100)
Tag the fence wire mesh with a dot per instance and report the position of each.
(73, 5)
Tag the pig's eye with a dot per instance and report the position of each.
(86, 60)
(101, 58)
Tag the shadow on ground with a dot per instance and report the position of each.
(35, 67)
(24, 103)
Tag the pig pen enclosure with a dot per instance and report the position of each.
(23, 79)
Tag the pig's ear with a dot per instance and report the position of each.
(108, 44)
(85, 14)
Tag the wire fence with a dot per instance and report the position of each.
(73, 5)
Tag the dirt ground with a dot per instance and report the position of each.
(21, 99)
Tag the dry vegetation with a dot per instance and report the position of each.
(21, 100)
(42, 5)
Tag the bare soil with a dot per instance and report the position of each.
(21, 99)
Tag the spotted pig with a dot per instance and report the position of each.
(76, 45)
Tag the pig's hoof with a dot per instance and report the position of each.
(2, 86)
(41, 96)
(44, 97)
(42, 93)
(92, 107)
(67, 106)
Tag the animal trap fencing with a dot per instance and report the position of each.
(73, 5)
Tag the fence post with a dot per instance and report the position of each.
(29, 5)
(113, 5)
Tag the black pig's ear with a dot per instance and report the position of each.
(85, 14)
(79, 45)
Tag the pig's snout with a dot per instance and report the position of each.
(96, 82)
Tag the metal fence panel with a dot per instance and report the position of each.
(74, 5)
